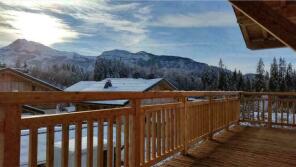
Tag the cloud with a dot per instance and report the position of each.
(36, 27)
(82, 18)
(196, 20)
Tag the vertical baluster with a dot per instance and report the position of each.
(90, 143)
(199, 119)
(33, 142)
(78, 135)
(193, 127)
(258, 109)
(166, 130)
(293, 110)
(276, 110)
(282, 112)
(65, 145)
(169, 129)
(263, 109)
(148, 136)
(253, 109)
(269, 111)
(211, 118)
(110, 143)
(177, 127)
(143, 123)
(100, 151)
(50, 146)
(174, 132)
(118, 141)
(159, 133)
(288, 111)
(126, 140)
(153, 135)
(163, 135)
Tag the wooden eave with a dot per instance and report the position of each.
(266, 24)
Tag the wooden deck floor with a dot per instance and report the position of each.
(243, 146)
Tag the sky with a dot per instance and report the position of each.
(204, 31)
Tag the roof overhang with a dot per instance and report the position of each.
(266, 24)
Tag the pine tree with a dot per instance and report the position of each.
(222, 76)
(240, 81)
(274, 76)
(249, 86)
(259, 78)
(289, 79)
(282, 73)
(266, 79)
(234, 80)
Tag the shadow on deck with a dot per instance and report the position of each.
(243, 146)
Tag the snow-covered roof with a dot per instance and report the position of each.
(118, 85)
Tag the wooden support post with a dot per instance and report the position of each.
(185, 123)
(238, 109)
(269, 123)
(10, 117)
(228, 114)
(136, 131)
(211, 117)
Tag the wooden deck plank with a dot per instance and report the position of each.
(242, 146)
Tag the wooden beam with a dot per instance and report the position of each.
(264, 44)
(71, 97)
(271, 21)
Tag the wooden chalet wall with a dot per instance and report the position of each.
(11, 82)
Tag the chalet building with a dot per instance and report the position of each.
(14, 80)
(17, 80)
(120, 85)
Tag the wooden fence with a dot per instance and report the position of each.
(135, 135)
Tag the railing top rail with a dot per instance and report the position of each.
(58, 97)
(270, 93)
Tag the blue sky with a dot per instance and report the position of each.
(202, 30)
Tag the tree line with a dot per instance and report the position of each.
(280, 77)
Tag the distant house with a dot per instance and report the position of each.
(16, 80)
(120, 84)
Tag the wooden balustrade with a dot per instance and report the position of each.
(128, 136)
(269, 109)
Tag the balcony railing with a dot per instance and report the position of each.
(136, 135)
(268, 109)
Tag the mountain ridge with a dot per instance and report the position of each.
(33, 54)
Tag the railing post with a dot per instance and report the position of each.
(211, 128)
(136, 132)
(10, 116)
(238, 108)
(185, 137)
(228, 114)
(269, 123)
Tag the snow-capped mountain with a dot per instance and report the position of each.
(144, 59)
(35, 54)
